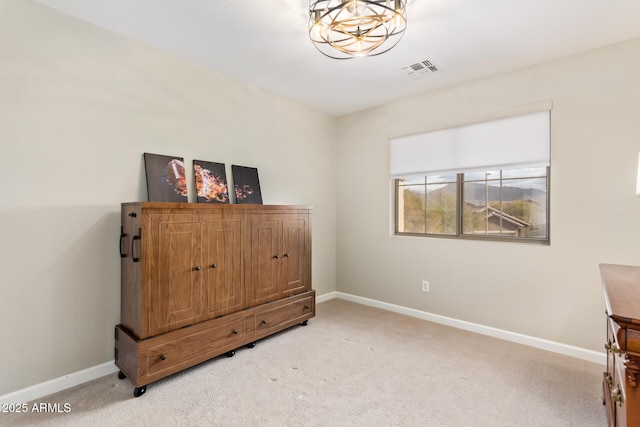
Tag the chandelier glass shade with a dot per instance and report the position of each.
(343, 29)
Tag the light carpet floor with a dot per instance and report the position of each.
(352, 365)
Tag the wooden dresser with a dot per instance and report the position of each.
(201, 280)
(621, 394)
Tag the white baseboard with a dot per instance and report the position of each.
(46, 388)
(58, 384)
(556, 347)
(326, 297)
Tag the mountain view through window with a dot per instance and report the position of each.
(503, 204)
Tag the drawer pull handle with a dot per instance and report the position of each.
(616, 396)
(276, 256)
(214, 265)
(286, 255)
(306, 307)
(197, 268)
(163, 357)
(264, 322)
(235, 332)
(609, 346)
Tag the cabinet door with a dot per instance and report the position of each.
(263, 284)
(174, 285)
(279, 262)
(294, 262)
(222, 266)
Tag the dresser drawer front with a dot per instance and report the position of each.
(196, 345)
(618, 388)
(276, 318)
(628, 340)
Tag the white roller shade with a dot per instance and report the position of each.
(512, 142)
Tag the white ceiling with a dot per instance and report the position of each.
(265, 42)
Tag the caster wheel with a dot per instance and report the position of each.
(231, 353)
(251, 345)
(121, 375)
(139, 391)
(305, 323)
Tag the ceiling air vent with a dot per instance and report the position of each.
(420, 69)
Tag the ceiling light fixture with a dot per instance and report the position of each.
(343, 29)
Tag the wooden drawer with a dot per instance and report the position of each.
(614, 386)
(618, 389)
(167, 355)
(283, 315)
(145, 361)
(628, 340)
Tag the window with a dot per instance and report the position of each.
(486, 180)
(505, 204)
(427, 205)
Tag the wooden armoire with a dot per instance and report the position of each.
(202, 280)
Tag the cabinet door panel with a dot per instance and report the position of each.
(175, 276)
(294, 249)
(223, 269)
(264, 280)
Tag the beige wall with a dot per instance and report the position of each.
(78, 107)
(550, 292)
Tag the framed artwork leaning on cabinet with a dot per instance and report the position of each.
(211, 182)
(246, 185)
(166, 180)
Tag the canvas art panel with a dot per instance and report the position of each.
(246, 185)
(166, 181)
(211, 182)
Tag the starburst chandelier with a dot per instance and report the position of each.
(344, 29)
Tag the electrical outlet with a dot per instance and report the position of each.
(425, 286)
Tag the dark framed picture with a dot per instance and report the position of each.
(166, 181)
(211, 182)
(246, 185)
